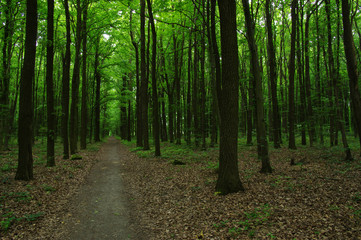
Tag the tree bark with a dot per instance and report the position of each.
(228, 178)
(50, 85)
(350, 53)
(291, 72)
(65, 87)
(273, 79)
(154, 83)
(261, 125)
(144, 79)
(84, 91)
(97, 94)
(75, 85)
(25, 156)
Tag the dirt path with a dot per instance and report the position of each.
(101, 209)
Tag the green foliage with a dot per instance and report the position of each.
(7, 220)
(33, 216)
(250, 221)
(76, 157)
(48, 188)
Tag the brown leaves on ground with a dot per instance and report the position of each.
(32, 210)
(318, 198)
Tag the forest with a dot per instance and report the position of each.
(224, 83)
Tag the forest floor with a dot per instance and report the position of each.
(317, 198)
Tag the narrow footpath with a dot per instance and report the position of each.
(101, 208)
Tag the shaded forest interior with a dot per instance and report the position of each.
(206, 74)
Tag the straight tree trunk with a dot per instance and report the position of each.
(291, 91)
(228, 178)
(75, 85)
(261, 125)
(97, 94)
(273, 79)
(84, 91)
(139, 135)
(50, 85)
(154, 83)
(189, 94)
(350, 53)
(144, 79)
(25, 129)
(65, 85)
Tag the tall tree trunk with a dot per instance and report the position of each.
(5, 82)
(291, 72)
(97, 94)
(25, 156)
(144, 79)
(350, 53)
(65, 85)
(177, 90)
(311, 121)
(261, 125)
(228, 177)
(154, 83)
(273, 79)
(189, 95)
(195, 101)
(50, 85)
(84, 91)
(75, 85)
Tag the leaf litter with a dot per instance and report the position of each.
(317, 198)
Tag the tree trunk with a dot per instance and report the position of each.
(65, 87)
(291, 72)
(154, 83)
(97, 94)
(84, 92)
(75, 85)
(273, 79)
(350, 53)
(50, 85)
(144, 79)
(25, 156)
(261, 125)
(228, 177)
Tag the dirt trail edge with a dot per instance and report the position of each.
(101, 209)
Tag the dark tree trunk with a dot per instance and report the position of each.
(97, 94)
(139, 135)
(25, 156)
(302, 104)
(273, 79)
(350, 53)
(75, 85)
(123, 111)
(65, 87)
(311, 120)
(84, 92)
(50, 85)
(261, 125)
(154, 83)
(195, 103)
(189, 94)
(291, 72)
(177, 90)
(5, 82)
(144, 79)
(228, 177)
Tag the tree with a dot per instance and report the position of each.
(228, 178)
(75, 84)
(143, 79)
(273, 78)
(49, 85)
(25, 156)
(291, 77)
(65, 85)
(256, 71)
(84, 108)
(154, 83)
(350, 53)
